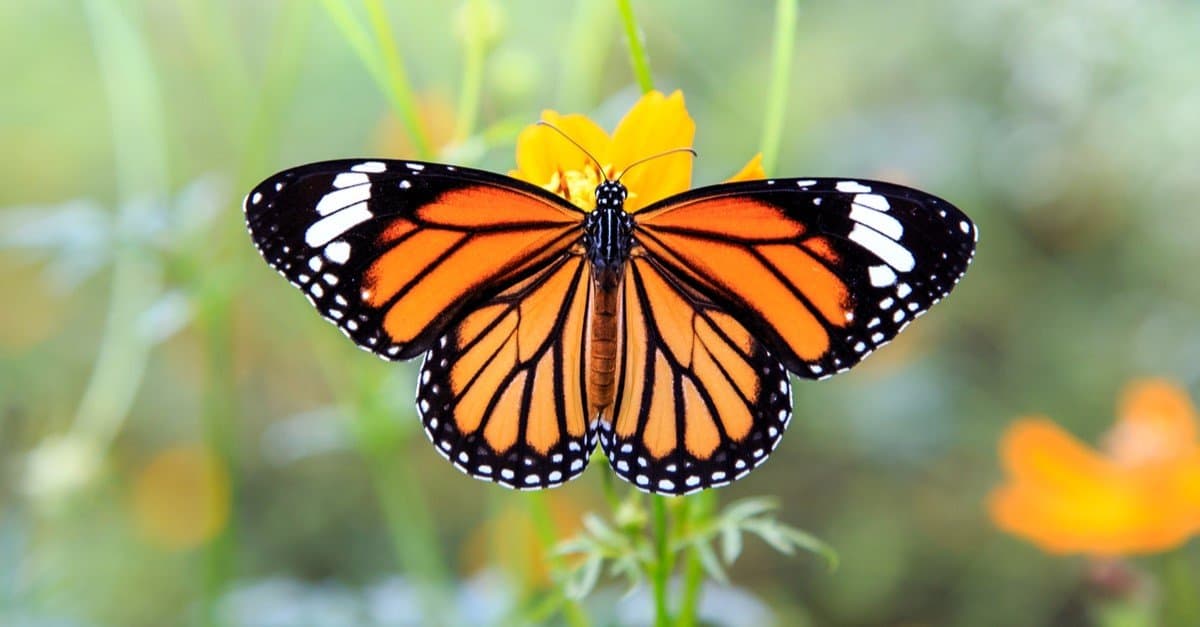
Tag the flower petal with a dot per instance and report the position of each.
(1066, 498)
(655, 124)
(1156, 423)
(752, 171)
(1037, 450)
(542, 152)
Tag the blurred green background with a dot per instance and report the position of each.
(184, 441)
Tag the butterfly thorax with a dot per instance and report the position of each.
(608, 234)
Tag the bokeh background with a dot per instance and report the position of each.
(184, 441)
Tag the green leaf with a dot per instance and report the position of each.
(811, 543)
(585, 580)
(731, 543)
(712, 565)
(747, 508)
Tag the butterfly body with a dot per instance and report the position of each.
(608, 234)
(665, 335)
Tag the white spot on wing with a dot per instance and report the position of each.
(370, 166)
(873, 201)
(348, 179)
(853, 187)
(342, 198)
(338, 252)
(888, 250)
(881, 275)
(256, 198)
(806, 183)
(326, 229)
(877, 220)
(415, 166)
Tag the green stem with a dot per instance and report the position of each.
(396, 79)
(777, 92)
(405, 508)
(637, 52)
(660, 577)
(543, 524)
(700, 508)
(141, 171)
(279, 78)
(474, 53)
(609, 488)
(588, 39)
(1182, 607)
(388, 71)
(222, 68)
(218, 414)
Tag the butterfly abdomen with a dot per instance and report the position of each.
(603, 335)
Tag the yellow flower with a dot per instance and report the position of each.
(1141, 494)
(655, 124)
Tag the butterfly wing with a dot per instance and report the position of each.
(502, 394)
(700, 400)
(394, 252)
(823, 270)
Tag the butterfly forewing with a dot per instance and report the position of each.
(824, 270)
(393, 252)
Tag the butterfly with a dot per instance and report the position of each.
(666, 335)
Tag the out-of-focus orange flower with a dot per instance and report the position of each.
(181, 498)
(654, 125)
(1140, 494)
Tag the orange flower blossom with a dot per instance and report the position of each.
(655, 124)
(1139, 494)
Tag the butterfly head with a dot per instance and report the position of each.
(611, 195)
(608, 234)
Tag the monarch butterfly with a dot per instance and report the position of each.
(666, 334)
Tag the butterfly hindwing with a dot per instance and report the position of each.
(393, 252)
(502, 395)
(700, 401)
(825, 270)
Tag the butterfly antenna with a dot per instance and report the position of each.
(596, 161)
(653, 157)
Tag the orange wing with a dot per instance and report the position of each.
(395, 252)
(700, 400)
(824, 271)
(502, 393)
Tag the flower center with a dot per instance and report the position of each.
(578, 187)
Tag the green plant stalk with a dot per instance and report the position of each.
(396, 80)
(660, 574)
(588, 39)
(474, 54)
(219, 409)
(279, 79)
(141, 171)
(1182, 606)
(224, 73)
(543, 524)
(221, 282)
(405, 509)
(777, 92)
(393, 84)
(637, 52)
(699, 509)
